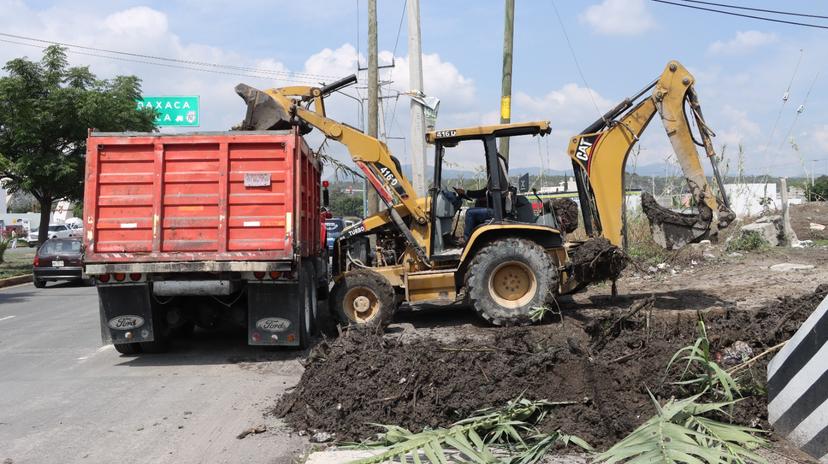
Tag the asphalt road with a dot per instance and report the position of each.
(64, 398)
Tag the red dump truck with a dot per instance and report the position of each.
(202, 229)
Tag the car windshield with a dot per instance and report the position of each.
(56, 228)
(56, 247)
(334, 225)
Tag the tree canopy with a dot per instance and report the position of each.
(46, 109)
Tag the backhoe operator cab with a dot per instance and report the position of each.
(497, 203)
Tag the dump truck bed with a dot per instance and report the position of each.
(219, 196)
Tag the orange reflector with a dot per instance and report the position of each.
(275, 275)
(291, 338)
(120, 276)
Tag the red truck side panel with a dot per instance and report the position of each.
(223, 196)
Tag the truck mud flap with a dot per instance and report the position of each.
(274, 310)
(126, 313)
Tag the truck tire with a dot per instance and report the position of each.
(363, 297)
(127, 348)
(508, 278)
(38, 283)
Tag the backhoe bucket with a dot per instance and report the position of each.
(263, 112)
(673, 230)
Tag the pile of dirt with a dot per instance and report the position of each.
(567, 212)
(807, 218)
(596, 260)
(605, 367)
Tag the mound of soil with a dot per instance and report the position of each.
(597, 259)
(566, 210)
(606, 367)
(802, 216)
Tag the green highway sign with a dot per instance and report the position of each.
(172, 111)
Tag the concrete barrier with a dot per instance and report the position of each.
(798, 386)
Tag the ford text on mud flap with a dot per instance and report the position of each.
(274, 310)
(126, 313)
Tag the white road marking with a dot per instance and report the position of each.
(6, 318)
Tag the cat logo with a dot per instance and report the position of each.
(584, 148)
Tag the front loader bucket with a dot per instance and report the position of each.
(673, 230)
(263, 112)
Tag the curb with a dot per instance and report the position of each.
(15, 280)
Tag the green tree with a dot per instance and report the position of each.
(46, 109)
(819, 191)
(346, 205)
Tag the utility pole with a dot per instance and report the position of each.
(415, 77)
(506, 91)
(373, 97)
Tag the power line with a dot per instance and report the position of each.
(785, 99)
(168, 65)
(795, 23)
(176, 60)
(737, 7)
(575, 59)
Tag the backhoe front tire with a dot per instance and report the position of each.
(363, 297)
(508, 278)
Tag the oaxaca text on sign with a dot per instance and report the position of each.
(172, 111)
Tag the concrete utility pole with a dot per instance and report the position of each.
(415, 77)
(373, 97)
(506, 92)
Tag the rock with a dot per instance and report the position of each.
(705, 242)
(707, 255)
(737, 353)
(785, 267)
(661, 265)
(652, 269)
(766, 230)
(321, 437)
(815, 226)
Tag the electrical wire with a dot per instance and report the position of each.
(785, 99)
(168, 65)
(176, 60)
(575, 59)
(799, 111)
(737, 7)
(731, 13)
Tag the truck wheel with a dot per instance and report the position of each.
(128, 348)
(363, 297)
(306, 322)
(38, 283)
(508, 278)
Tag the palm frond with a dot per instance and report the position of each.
(679, 434)
(484, 438)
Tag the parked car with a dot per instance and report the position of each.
(58, 259)
(333, 227)
(75, 229)
(55, 231)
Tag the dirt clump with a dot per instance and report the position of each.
(605, 366)
(566, 210)
(597, 259)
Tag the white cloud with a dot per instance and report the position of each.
(821, 137)
(739, 128)
(742, 42)
(619, 17)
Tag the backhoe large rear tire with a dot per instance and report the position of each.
(508, 278)
(363, 297)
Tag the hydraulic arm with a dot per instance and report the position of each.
(599, 155)
(283, 107)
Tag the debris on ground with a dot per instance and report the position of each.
(787, 267)
(597, 260)
(606, 366)
(261, 428)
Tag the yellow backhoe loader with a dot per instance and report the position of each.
(511, 261)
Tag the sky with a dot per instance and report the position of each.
(570, 65)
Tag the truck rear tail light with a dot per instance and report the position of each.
(135, 276)
(120, 277)
(256, 337)
(259, 275)
(275, 275)
(36, 261)
(103, 278)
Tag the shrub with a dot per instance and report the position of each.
(747, 241)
